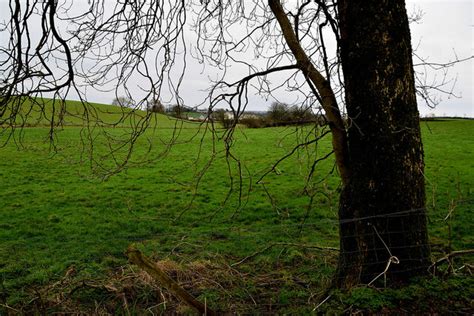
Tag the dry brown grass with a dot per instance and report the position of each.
(129, 290)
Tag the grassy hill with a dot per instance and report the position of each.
(37, 112)
(63, 230)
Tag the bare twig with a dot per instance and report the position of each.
(289, 244)
(449, 256)
(321, 303)
(10, 308)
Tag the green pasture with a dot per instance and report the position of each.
(46, 112)
(182, 197)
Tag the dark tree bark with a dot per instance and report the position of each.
(382, 206)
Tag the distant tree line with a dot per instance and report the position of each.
(155, 106)
(282, 114)
(278, 114)
(124, 102)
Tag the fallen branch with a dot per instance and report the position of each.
(450, 255)
(256, 253)
(136, 257)
(10, 308)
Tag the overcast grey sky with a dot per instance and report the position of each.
(446, 30)
(447, 27)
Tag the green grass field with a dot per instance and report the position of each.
(58, 212)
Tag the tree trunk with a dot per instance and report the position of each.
(382, 207)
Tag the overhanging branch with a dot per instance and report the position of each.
(329, 103)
